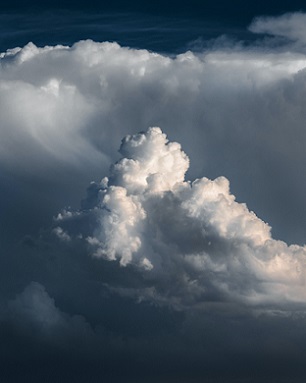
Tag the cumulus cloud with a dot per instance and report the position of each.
(192, 240)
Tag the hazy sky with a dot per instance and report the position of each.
(152, 162)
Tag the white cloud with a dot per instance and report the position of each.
(289, 25)
(63, 110)
(192, 240)
(61, 234)
(73, 103)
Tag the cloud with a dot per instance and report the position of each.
(35, 308)
(58, 231)
(152, 269)
(238, 113)
(35, 305)
(192, 240)
(64, 109)
(289, 25)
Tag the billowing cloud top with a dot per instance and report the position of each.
(193, 234)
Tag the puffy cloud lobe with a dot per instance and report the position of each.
(141, 170)
(138, 173)
(192, 240)
(120, 234)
